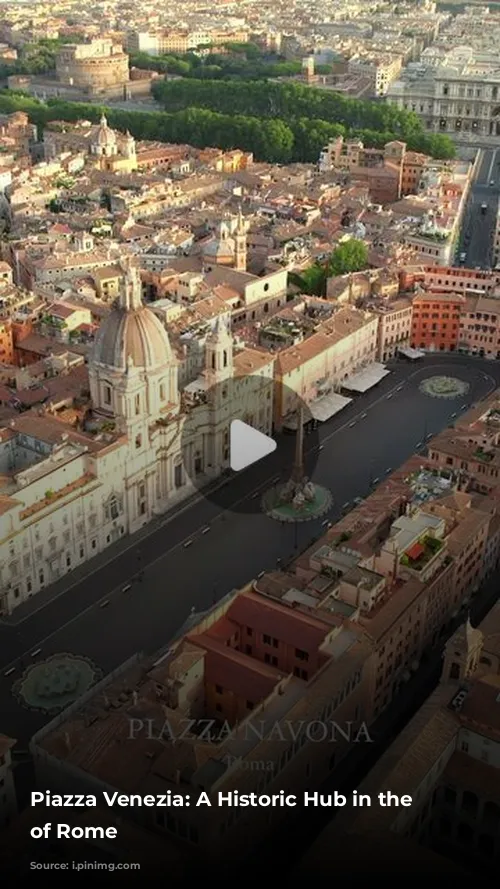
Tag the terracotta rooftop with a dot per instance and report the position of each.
(481, 708)
(274, 619)
(246, 677)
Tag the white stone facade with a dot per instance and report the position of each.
(65, 495)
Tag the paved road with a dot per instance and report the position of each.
(236, 548)
(476, 239)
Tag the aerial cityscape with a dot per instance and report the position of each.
(250, 439)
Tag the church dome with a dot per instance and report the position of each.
(132, 334)
(105, 135)
(135, 337)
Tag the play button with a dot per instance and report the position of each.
(233, 450)
(247, 445)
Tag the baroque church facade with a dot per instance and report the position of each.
(66, 495)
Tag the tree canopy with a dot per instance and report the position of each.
(350, 256)
(269, 139)
(374, 122)
(239, 63)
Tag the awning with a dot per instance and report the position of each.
(366, 378)
(325, 407)
(415, 551)
(412, 353)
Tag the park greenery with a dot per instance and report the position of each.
(234, 61)
(350, 256)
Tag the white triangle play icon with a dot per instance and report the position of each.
(247, 445)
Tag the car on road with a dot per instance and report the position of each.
(484, 208)
(492, 182)
(462, 258)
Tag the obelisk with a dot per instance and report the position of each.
(298, 466)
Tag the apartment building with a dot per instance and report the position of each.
(394, 327)
(472, 447)
(480, 327)
(164, 41)
(382, 170)
(450, 279)
(447, 759)
(407, 567)
(436, 321)
(381, 70)
(319, 364)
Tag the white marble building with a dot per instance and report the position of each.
(66, 495)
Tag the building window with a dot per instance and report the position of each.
(107, 394)
(138, 441)
(137, 404)
(301, 655)
(219, 689)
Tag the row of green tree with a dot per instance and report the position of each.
(289, 102)
(269, 140)
(350, 256)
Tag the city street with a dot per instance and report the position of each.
(476, 238)
(188, 567)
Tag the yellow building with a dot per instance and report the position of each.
(347, 342)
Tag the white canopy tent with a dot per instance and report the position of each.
(321, 409)
(366, 378)
(327, 406)
(413, 354)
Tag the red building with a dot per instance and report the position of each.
(436, 321)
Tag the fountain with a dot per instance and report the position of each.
(56, 682)
(299, 499)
